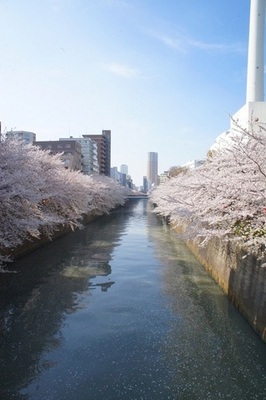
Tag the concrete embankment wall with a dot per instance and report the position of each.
(242, 277)
(30, 245)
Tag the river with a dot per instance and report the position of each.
(122, 310)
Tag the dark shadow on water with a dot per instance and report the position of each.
(45, 287)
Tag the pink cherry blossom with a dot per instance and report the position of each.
(37, 194)
(223, 197)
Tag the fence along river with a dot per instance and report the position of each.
(122, 310)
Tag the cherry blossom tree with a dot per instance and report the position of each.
(38, 195)
(226, 195)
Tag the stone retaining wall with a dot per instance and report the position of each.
(30, 245)
(242, 277)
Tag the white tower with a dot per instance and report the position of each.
(253, 114)
(255, 108)
(255, 74)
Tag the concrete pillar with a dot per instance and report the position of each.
(255, 73)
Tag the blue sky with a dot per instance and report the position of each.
(163, 75)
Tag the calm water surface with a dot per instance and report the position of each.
(118, 311)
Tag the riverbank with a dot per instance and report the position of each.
(240, 274)
(32, 244)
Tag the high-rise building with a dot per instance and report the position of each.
(123, 179)
(152, 169)
(124, 169)
(115, 175)
(145, 184)
(89, 153)
(104, 150)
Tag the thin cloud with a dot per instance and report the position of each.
(170, 42)
(183, 44)
(224, 47)
(122, 70)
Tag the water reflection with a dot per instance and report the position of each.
(48, 285)
(209, 348)
(123, 311)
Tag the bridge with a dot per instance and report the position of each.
(137, 196)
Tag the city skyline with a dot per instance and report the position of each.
(162, 76)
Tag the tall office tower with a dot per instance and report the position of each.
(124, 169)
(152, 169)
(104, 151)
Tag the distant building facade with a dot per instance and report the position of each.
(164, 177)
(25, 136)
(104, 150)
(124, 169)
(71, 157)
(145, 187)
(115, 174)
(194, 164)
(123, 179)
(152, 169)
(89, 153)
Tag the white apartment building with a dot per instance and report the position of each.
(164, 177)
(89, 153)
(25, 136)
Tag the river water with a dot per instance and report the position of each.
(122, 310)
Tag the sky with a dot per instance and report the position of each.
(162, 75)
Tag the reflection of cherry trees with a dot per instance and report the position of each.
(37, 194)
(226, 195)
